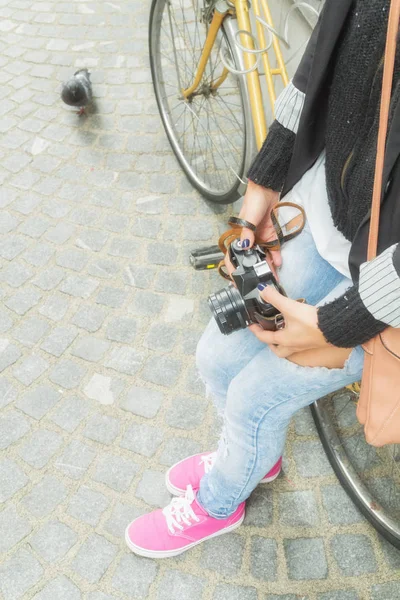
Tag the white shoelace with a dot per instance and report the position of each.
(180, 511)
(208, 461)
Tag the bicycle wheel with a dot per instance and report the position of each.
(207, 132)
(370, 476)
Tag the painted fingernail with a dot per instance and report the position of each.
(261, 286)
(245, 243)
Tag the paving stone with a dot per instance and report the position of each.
(78, 286)
(125, 248)
(61, 588)
(92, 240)
(100, 596)
(385, 591)
(147, 304)
(13, 528)
(122, 329)
(40, 448)
(76, 459)
(106, 269)
(121, 516)
(7, 222)
(311, 460)
(55, 307)
(161, 337)
(30, 331)
(23, 300)
(224, 554)
(89, 317)
(8, 393)
(142, 401)
(59, 340)
(146, 227)
(179, 309)
(45, 497)
(354, 554)
(298, 509)
(12, 478)
(104, 390)
(94, 558)
(186, 413)
(234, 592)
(102, 428)
(15, 274)
(90, 348)
(134, 576)
(70, 413)
(60, 233)
(162, 254)
(53, 541)
(181, 205)
(304, 422)
(140, 277)
(13, 426)
(176, 449)
(142, 439)
(115, 472)
(18, 574)
(12, 245)
(35, 227)
(259, 508)
(74, 259)
(263, 559)
(175, 585)
(339, 508)
(112, 297)
(285, 597)
(68, 374)
(163, 370)
(391, 554)
(87, 505)
(124, 360)
(39, 254)
(151, 489)
(49, 279)
(30, 369)
(37, 402)
(6, 321)
(9, 354)
(305, 558)
(339, 595)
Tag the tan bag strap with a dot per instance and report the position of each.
(390, 55)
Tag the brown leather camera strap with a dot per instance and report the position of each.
(293, 228)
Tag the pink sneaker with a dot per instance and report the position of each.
(189, 471)
(178, 527)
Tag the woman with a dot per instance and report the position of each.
(320, 153)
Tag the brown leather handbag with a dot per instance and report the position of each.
(379, 404)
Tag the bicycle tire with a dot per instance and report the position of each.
(235, 190)
(348, 477)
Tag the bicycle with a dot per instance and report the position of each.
(207, 67)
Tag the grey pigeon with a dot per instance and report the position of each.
(77, 91)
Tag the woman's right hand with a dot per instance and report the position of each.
(257, 205)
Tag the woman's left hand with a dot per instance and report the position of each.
(301, 331)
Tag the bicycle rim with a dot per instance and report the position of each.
(371, 476)
(208, 132)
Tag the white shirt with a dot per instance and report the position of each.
(310, 192)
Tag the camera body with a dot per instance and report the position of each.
(240, 305)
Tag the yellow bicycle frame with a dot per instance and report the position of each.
(241, 11)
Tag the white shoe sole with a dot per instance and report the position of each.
(178, 492)
(170, 553)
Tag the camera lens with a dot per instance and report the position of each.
(228, 309)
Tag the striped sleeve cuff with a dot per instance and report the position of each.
(289, 106)
(379, 288)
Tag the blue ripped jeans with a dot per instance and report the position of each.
(258, 393)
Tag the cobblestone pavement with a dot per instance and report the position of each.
(99, 320)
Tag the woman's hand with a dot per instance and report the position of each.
(301, 331)
(257, 206)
